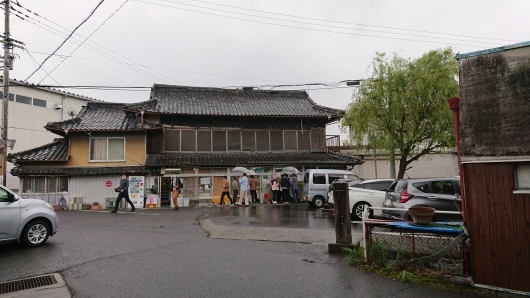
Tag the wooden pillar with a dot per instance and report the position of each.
(342, 219)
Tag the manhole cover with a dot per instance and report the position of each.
(28, 283)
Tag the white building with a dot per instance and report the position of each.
(30, 108)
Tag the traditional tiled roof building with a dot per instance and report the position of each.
(200, 133)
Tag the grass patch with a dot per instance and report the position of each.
(398, 265)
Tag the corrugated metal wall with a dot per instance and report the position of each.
(499, 226)
(93, 189)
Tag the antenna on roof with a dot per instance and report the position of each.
(71, 112)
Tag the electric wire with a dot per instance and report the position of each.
(305, 28)
(111, 55)
(346, 23)
(171, 69)
(83, 42)
(65, 40)
(93, 49)
(325, 25)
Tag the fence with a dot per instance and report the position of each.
(52, 198)
(386, 243)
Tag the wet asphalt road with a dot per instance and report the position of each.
(166, 253)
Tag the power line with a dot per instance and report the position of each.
(100, 52)
(93, 49)
(86, 38)
(346, 23)
(305, 28)
(75, 29)
(325, 25)
(172, 69)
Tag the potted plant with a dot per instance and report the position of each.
(421, 215)
(95, 206)
(86, 206)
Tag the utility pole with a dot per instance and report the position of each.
(5, 99)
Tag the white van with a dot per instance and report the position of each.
(317, 181)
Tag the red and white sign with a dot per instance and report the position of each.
(108, 183)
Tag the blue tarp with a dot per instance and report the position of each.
(436, 228)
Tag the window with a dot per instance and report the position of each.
(39, 102)
(362, 185)
(24, 99)
(381, 186)
(44, 184)
(249, 140)
(443, 187)
(332, 178)
(204, 141)
(263, 141)
(234, 140)
(277, 140)
(319, 178)
(219, 140)
(304, 142)
(522, 175)
(172, 140)
(289, 141)
(3, 195)
(107, 149)
(422, 186)
(188, 141)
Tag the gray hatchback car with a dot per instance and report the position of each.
(31, 221)
(442, 194)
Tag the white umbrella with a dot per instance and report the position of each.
(275, 175)
(251, 172)
(240, 169)
(290, 170)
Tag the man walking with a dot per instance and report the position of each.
(243, 182)
(253, 183)
(123, 192)
(176, 186)
(226, 192)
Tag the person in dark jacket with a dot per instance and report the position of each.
(123, 192)
(285, 184)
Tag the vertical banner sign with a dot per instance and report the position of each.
(137, 190)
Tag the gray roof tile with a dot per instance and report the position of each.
(97, 116)
(79, 171)
(251, 159)
(55, 151)
(183, 100)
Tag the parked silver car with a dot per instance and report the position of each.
(31, 221)
(442, 194)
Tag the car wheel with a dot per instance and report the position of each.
(318, 202)
(357, 211)
(35, 233)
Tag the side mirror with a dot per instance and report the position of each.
(10, 197)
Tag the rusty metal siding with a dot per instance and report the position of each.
(495, 104)
(499, 226)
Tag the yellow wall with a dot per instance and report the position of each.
(134, 152)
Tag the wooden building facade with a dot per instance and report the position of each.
(495, 149)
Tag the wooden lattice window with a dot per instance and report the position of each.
(219, 140)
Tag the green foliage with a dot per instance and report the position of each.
(403, 105)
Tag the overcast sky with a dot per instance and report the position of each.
(248, 43)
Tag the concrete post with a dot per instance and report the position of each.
(342, 219)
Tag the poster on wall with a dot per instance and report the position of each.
(137, 190)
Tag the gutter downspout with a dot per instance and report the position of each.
(454, 105)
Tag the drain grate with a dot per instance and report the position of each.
(28, 283)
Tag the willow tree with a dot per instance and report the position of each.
(402, 107)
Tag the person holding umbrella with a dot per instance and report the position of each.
(285, 185)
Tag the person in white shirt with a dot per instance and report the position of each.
(243, 186)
